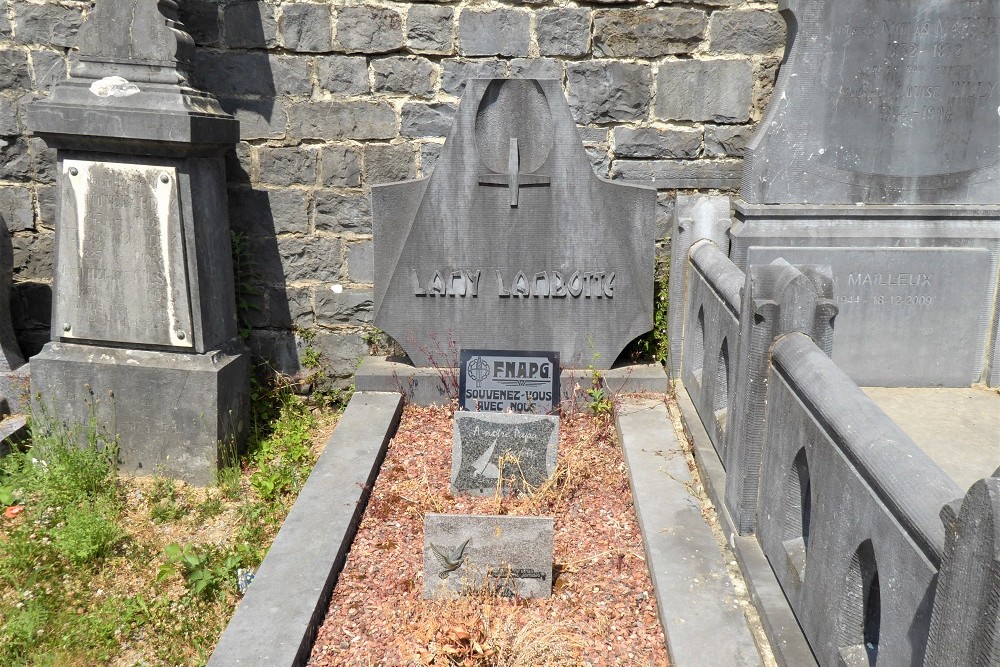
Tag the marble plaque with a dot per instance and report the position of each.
(121, 276)
(523, 448)
(510, 556)
(915, 317)
(504, 381)
(882, 101)
(513, 242)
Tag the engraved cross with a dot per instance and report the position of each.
(512, 179)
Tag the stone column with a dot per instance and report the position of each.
(144, 337)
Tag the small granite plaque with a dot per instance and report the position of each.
(521, 448)
(917, 315)
(508, 555)
(500, 381)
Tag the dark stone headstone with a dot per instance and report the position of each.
(510, 556)
(513, 241)
(144, 336)
(522, 449)
(501, 381)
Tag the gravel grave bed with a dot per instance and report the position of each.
(602, 610)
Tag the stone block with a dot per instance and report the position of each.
(235, 73)
(509, 555)
(15, 159)
(647, 33)
(456, 73)
(9, 123)
(717, 91)
(347, 306)
(323, 119)
(340, 165)
(727, 140)
(564, 31)
(428, 29)
(746, 31)
(16, 209)
(536, 68)
(603, 91)
(342, 212)
(295, 165)
(344, 75)
(429, 154)
(201, 20)
(519, 449)
(263, 118)
(307, 27)
(426, 120)
(33, 256)
(388, 163)
(14, 71)
(340, 351)
(652, 143)
(368, 29)
(674, 174)
(249, 25)
(361, 262)
(310, 258)
(47, 24)
(268, 212)
(494, 32)
(404, 75)
(279, 306)
(43, 161)
(49, 68)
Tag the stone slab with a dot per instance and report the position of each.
(510, 555)
(522, 449)
(882, 101)
(174, 413)
(898, 309)
(696, 598)
(513, 241)
(508, 381)
(287, 601)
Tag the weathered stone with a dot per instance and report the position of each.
(295, 165)
(599, 160)
(202, 21)
(563, 32)
(279, 306)
(268, 212)
(429, 154)
(259, 118)
(43, 161)
(368, 29)
(536, 68)
(520, 449)
(340, 353)
(47, 205)
(14, 72)
(250, 73)
(727, 140)
(603, 92)
(426, 120)
(33, 256)
(341, 166)
(746, 31)
(704, 90)
(15, 160)
(249, 25)
(428, 29)
(361, 262)
(342, 212)
(651, 142)
(344, 75)
(49, 68)
(4, 22)
(312, 258)
(674, 174)
(348, 306)
(49, 24)
(239, 164)
(647, 33)
(307, 27)
(9, 123)
(323, 119)
(405, 75)
(457, 73)
(491, 32)
(16, 209)
(387, 163)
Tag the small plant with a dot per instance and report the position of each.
(204, 569)
(87, 532)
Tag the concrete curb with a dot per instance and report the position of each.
(782, 629)
(275, 622)
(698, 606)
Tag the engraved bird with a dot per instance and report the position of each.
(450, 562)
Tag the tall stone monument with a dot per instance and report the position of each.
(880, 155)
(513, 242)
(144, 335)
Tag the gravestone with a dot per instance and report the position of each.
(879, 154)
(144, 336)
(505, 381)
(513, 242)
(13, 371)
(505, 555)
(523, 449)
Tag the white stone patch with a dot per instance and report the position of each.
(114, 86)
(337, 289)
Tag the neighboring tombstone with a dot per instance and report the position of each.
(882, 136)
(520, 449)
(144, 336)
(504, 381)
(509, 556)
(513, 241)
(13, 376)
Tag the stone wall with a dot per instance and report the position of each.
(335, 96)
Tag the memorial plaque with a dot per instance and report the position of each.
(121, 275)
(513, 241)
(502, 381)
(507, 555)
(916, 316)
(522, 449)
(883, 101)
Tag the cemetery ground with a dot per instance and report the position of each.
(98, 568)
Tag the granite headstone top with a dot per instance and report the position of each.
(882, 101)
(513, 241)
(505, 381)
(510, 556)
(520, 449)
